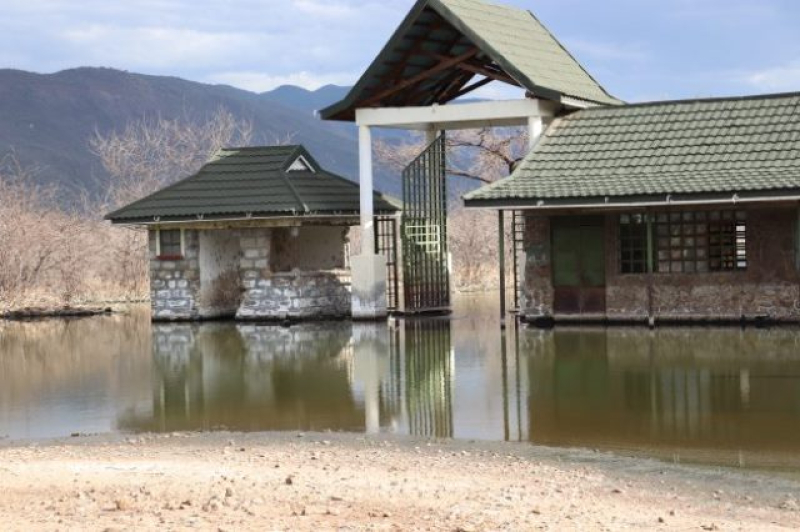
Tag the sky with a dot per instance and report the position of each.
(639, 50)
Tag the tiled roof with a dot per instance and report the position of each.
(730, 145)
(525, 48)
(512, 39)
(242, 182)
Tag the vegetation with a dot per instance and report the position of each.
(55, 254)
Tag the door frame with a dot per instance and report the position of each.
(584, 299)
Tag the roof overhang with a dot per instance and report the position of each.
(637, 202)
(438, 54)
(249, 221)
(472, 115)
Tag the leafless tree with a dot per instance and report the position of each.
(146, 156)
(483, 156)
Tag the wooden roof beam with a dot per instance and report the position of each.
(442, 65)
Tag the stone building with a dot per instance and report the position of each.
(258, 233)
(667, 211)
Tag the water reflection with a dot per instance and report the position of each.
(250, 377)
(715, 395)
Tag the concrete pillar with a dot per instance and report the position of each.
(366, 188)
(535, 129)
(368, 269)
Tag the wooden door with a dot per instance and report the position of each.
(579, 273)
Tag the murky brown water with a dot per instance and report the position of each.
(720, 396)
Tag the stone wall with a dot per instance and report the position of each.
(769, 287)
(184, 289)
(175, 284)
(297, 295)
(293, 294)
(537, 286)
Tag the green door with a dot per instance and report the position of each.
(579, 273)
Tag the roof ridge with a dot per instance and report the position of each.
(688, 101)
(295, 153)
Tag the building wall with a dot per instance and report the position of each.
(220, 283)
(175, 284)
(307, 288)
(313, 248)
(769, 287)
(537, 287)
(231, 272)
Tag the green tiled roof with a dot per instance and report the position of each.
(520, 44)
(726, 145)
(244, 182)
(511, 38)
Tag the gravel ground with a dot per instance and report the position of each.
(269, 481)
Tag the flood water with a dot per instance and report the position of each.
(711, 395)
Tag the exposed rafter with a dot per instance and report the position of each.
(440, 67)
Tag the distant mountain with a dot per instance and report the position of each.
(300, 98)
(47, 119)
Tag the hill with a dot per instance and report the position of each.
(48, 119)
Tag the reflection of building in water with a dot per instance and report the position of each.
(250, 377)
(707, 388)
(421, 377)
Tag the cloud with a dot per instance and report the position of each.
(261, 82)
(155, 47)
(780, 78)
(325, 9)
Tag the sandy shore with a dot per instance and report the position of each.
(332, 481)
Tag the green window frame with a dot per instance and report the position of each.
(683, 242)
(634, 255)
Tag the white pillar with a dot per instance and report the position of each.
(368, 287)
(366, 188)
(535, 129)
(430, 136)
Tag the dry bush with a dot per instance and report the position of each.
(41, 259)
(51, 254)
(224, 293)
(146, 156)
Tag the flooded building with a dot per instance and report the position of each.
(258, 233)
(666, 211)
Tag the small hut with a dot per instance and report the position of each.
(258, 233)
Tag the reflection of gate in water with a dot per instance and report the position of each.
(426, 274)
(422, 371)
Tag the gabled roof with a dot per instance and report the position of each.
(507, 43)
(252, 182)
(746, 146)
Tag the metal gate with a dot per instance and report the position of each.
(386, 245)
(426, 272)
(518, 234)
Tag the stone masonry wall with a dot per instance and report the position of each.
(287, 295)
(175, 284)
(769, 287)
(537, 286)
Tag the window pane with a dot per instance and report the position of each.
(170, 243)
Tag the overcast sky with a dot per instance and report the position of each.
(638, 49)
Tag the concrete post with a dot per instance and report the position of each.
(535, 129)
(368, 269)
(366, 188)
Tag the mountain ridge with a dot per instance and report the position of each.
(48, 119)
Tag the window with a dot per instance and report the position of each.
(633, 243)
(169, 243)
(684, 242)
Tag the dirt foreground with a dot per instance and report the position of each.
(350, 482)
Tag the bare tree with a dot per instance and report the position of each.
(150, 154)
(153, 152)
(483, 156)
(36, 238)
